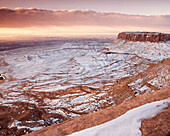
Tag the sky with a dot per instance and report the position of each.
(140, 7)
(82, 17)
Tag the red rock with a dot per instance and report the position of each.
(144, 36)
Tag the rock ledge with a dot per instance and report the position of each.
(144, 36)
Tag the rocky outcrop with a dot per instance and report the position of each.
(144, 36)
(97, 118)
(1, 77)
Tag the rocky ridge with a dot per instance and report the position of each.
(90, 120)
(128, 86)
(144, 36)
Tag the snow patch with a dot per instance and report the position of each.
(120, 126)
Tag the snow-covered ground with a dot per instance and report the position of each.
(52, 75)
(148, 50)
(129, 123)
(57, 67)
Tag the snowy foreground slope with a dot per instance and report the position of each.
(51, 81)
(127, 124)
(159, 125)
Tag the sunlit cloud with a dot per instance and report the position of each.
(65, 22)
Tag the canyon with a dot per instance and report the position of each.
(52, 82)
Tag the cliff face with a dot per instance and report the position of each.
(144, 36)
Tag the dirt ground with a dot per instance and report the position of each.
(159, 125)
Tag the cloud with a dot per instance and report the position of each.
(31, 17)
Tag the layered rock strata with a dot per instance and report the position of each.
(97, 118)
(144, 36)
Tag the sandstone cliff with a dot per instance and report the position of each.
(144, 36)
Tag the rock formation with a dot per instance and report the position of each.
(144, 36)
(1, 77)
